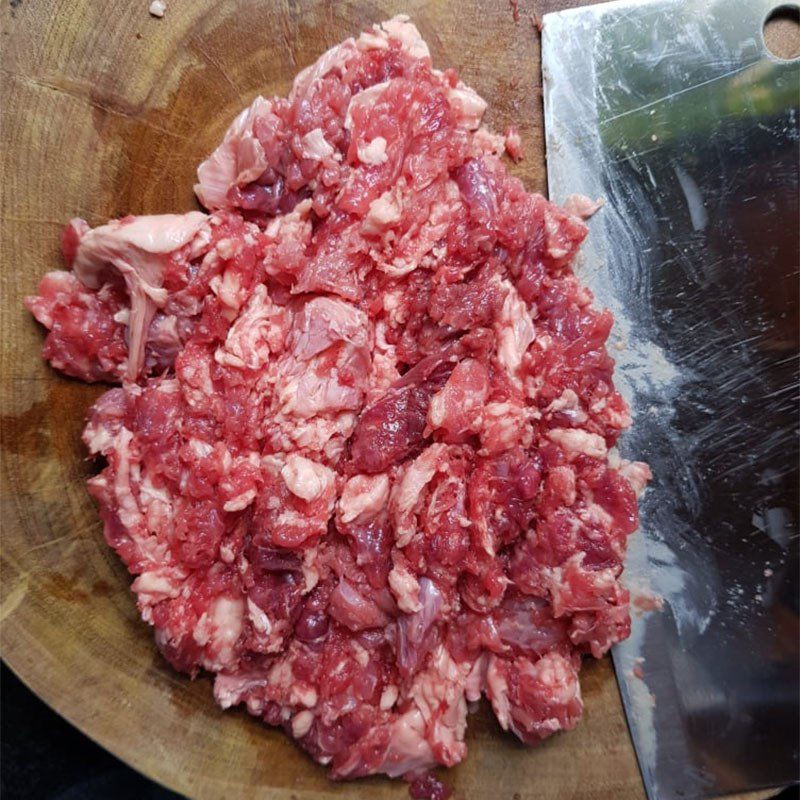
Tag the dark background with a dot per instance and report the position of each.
(42, 757)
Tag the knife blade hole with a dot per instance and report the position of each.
(782, 32)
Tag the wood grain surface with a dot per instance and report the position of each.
(107, 111)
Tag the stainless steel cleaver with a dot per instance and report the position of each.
(675, 113)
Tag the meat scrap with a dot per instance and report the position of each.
(359, 458)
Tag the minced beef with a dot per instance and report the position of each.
(360, 461)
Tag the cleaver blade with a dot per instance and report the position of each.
(675, 113)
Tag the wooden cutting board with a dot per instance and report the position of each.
(107, 111)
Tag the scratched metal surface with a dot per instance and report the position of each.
(675, 113)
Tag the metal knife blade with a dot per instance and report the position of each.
(675, 113)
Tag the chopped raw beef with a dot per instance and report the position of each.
(138, 288)
(361, 459)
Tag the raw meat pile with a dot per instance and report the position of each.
(360, 461)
